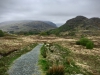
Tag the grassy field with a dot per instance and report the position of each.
(85, 58)
(12, 47)
(6, 61)
(59, 61)
(85, 61)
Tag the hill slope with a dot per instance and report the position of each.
(26, 25)
(79, 23)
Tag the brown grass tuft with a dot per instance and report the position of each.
(56, 70)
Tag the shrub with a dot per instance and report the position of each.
(56, 70)
(71, 33)
(77, 42)
(85, 42)
(90, 45)
(1, 33)
(44, 33)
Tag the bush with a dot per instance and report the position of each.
(85, 42)
(44, 33)
(90, 45)
(56, 70)
(78, 43)
(71, 33)
(1, 33)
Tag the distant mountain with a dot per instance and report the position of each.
(27, 25)
(50, 23)
(79, 23)
(59, 24)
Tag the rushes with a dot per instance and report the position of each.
(56, 70)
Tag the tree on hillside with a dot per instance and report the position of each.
(1, 33)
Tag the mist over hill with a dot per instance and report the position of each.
(27, 25)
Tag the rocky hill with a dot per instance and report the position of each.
(26, 25)
(79, 23)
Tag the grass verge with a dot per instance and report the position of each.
(6, 61)
(59, 57)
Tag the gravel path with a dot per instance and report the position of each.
(26, 64)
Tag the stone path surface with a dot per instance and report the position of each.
(27, 63)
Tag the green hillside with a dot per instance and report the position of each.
(78, 23)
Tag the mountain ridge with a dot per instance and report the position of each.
(27, 25)
(78, 23)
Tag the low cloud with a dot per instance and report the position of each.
(57, 11)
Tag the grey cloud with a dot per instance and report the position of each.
(57, 11)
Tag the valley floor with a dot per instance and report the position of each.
(85, 58)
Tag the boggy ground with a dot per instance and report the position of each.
(85, 58)
(11, 43)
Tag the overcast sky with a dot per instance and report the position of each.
(57, 11)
